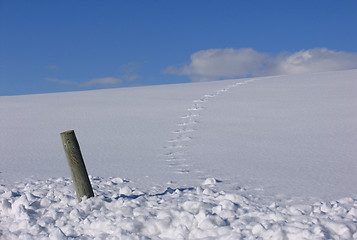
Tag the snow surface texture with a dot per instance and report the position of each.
(270, 158)
(49, 209)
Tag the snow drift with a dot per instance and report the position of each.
(269, 157)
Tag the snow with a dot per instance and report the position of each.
(48, 209)
(270, 158)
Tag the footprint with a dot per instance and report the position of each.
(183, 171)
(180, 139)
(195, 107)
(190, 116)
(176, 148)
(189, 130)
(188, 123)
(202, 100)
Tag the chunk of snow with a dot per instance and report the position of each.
(209, 181)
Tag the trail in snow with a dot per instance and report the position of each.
(175, 149)
(211, 133)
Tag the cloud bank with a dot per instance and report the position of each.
(221, 63)
(126, 72)
(214, 64)
(106, 81)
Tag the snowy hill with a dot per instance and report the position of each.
(270, 157)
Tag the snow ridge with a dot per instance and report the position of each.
(49, 210)
(176, 146)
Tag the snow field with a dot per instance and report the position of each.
(49, 210)
(261, 158)
(176, 148)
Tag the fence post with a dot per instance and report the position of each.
(76, 165)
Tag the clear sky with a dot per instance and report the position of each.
(55, 46)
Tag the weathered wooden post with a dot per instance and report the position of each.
(76, 165)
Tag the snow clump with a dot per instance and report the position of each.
(49, 210)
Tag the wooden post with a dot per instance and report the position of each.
(76, 165)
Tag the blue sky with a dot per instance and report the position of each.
(56, 46)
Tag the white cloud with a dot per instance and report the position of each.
(126, 74)
(313, 60)
(64, 82)
(106, 81)
(213, 64)
(221, 63)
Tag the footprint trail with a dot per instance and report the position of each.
(175, 148)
